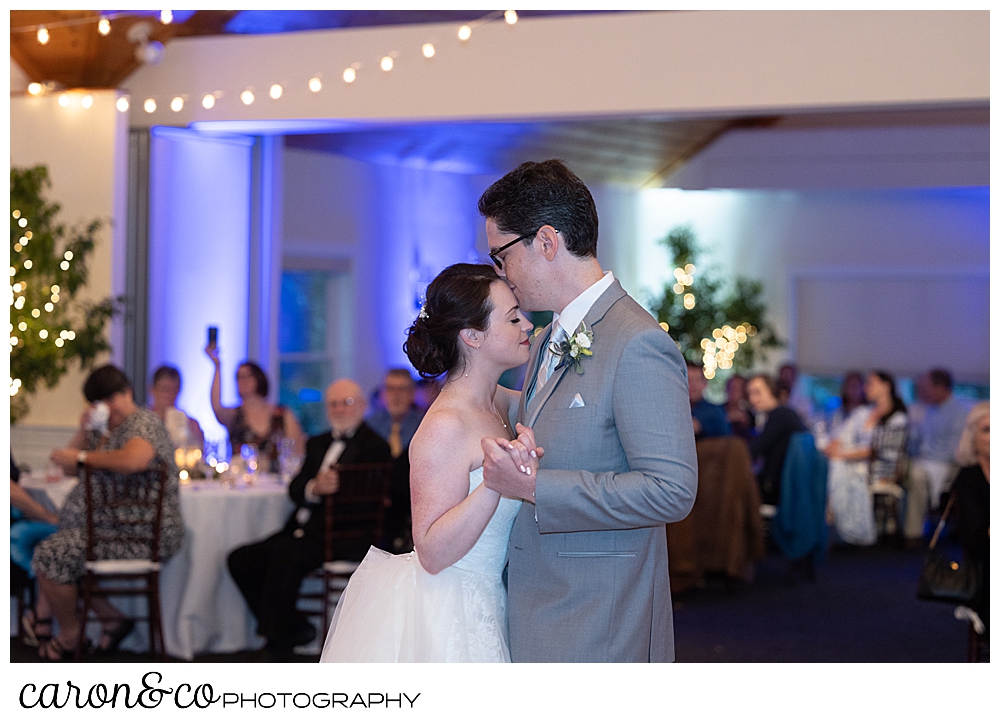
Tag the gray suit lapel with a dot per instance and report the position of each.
(604, 302)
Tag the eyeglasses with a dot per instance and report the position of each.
(494, 254)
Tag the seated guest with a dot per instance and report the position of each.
(868, 450)
(124, 443)
(256, 421)
(934, 439)
(30, 523)
(737, 407)
(270, 572)
(770, 446)
(709, 419)
(791, 392)
(163, 391)
(852, 396)
(972, 500)
(395, 423)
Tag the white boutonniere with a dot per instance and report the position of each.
(573, 349)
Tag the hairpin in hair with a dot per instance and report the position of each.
(423, 311)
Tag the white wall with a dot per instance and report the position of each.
(85, 150)
(798, 242)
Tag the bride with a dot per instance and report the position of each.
(445, 602)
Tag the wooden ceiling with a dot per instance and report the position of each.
(78, 56)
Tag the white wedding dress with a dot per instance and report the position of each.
(394, 611)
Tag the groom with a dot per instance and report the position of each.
(588, 559)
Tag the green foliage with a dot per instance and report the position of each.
(48, 267)
(716, 306)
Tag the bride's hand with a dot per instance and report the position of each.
(523, 450)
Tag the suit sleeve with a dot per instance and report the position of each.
(652, 415)
(315, 451)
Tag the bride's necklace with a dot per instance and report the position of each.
(493, 408)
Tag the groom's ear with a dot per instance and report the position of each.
(548, 242)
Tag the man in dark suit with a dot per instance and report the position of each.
(270, 572)
(396, 423)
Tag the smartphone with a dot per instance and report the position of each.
(213, 336)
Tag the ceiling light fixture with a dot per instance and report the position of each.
(42, 35)
(166, 17)
(510, 16)
(104, 26)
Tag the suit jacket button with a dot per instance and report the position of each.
(298, 533)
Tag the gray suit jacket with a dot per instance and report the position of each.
(588, 580)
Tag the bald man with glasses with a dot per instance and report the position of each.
(269, 572)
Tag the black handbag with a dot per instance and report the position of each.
(946, 580)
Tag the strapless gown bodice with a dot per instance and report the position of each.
(489, 555)
(394, 611)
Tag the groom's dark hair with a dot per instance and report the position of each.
(536, 194)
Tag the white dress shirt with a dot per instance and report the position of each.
(567, 322)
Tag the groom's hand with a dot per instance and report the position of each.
(503, 470)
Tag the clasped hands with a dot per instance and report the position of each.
(510, 465)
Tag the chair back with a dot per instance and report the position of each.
(355, 513)
(799, 526)
(124, 508)
(889, 443)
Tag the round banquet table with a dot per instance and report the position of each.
(203, 610)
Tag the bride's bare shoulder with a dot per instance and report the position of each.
(442, 428)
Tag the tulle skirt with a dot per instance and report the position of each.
(394, 611)
(851, 502)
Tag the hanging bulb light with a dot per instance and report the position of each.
(87, 101)
(464, 32)
(176, 104)
(386, 64)
(166, 17)
(428, 50)
(315, 84)
(122, 104)
(510, 16)
(349, 75)
(104, 26)
(149, 106)
(247, 96)
(208, 101)
(275, 91)
(64, 100)
(42, 35)
(35, 88)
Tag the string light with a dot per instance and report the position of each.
(428, 50)
(42, 35)
(166, 17)
(64, 265)
(247, 96)
(64, 100)
(176, 104)
(464, 33)
(208, 101)
(149, 106)
(104, 26)
(510, 16)
(87, 101)
(315, 84)
(35, 88)
(122, 104)
(275, 91)
(386, 64)
(349, 75)
(28, 263)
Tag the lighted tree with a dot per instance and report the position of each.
(49, 327)
(722, 325)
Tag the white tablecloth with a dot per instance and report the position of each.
(203, 611)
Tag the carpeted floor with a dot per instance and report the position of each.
(862, 607)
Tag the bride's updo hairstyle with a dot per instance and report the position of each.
(458, 298)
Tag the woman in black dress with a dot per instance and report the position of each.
(772, 442)
(972, 500)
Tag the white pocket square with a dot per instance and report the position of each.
(577, 402)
